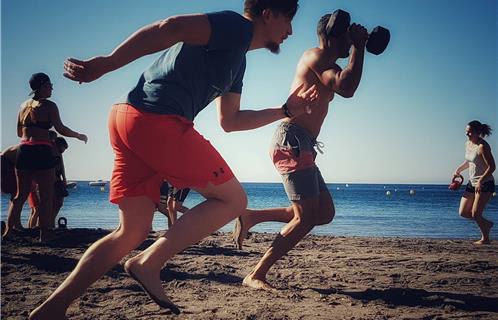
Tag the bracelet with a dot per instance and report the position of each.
(286, 111)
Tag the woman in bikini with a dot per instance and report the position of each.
(35, 158)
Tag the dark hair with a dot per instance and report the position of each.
(37, 80)
(481, 128)
(321, 28)
(61, 142)
(254, 8)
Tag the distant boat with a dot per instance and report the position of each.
(71, 184)
(98, 183)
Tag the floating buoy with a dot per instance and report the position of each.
(388, 193)
(412, 192)
(102, 189)
(494, 194)
(347, 185)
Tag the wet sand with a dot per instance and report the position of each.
(323, 278)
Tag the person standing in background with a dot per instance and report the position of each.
(35, 157)
(481, 164)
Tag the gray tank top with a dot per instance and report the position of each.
(477, 166)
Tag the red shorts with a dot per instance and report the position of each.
(33, 200)
(150, 148)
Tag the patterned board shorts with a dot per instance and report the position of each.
(293, 154)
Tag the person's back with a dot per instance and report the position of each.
(35, 119)
(35, 155)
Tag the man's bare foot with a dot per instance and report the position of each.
(239, 232)
(250, 281)
(44, 311)
(150, 285)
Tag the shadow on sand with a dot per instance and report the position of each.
(420, 298)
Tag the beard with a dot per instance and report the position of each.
(273, 47)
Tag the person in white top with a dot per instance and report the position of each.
(481, 164)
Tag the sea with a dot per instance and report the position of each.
(373, 210)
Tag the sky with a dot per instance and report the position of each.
(405, 124)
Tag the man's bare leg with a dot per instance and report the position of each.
(250, 218)
(308, 213)
(300, 225)
(135, 222)
(222, 203)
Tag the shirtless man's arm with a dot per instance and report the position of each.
(345, 81)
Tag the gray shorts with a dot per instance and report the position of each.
(293, 154)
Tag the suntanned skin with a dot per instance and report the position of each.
(472, 204)
(45, 110)
(223, 202)
(317, 67)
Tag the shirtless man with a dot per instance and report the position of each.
(292, 149)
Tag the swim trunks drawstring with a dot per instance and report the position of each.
(319, 145)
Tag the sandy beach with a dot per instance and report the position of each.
(323, 278)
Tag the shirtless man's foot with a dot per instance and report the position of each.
(260, 284)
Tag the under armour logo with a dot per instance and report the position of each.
(217, 174)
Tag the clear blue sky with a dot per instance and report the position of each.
(404, 125)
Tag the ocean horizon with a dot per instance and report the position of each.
(372, 210)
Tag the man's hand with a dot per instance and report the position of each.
(302, 101)
(87, 70)
(359, 35)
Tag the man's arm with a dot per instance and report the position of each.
(233, 119)
(193, 29)
(345, 82)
